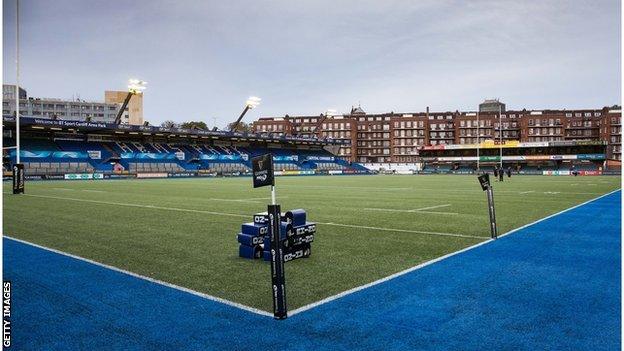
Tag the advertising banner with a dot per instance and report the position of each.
(320, 158)
(50, 154)
(147, 156)
(95, 154)
(220, 157)
(556, 173)
(75, 176)
(151, 175)
(290, 158)
(25, 121)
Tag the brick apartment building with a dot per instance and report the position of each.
(397, 137)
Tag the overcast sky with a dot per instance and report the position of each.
(202, 59)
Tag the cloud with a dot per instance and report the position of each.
(203, 58)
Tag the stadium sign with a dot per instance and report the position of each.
(112, 127)
(151, 175)
(74, 176)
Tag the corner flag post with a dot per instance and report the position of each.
(484, 180)
(262, 168)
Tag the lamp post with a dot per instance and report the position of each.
(252, 102)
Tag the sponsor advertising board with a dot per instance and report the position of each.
(151, 175)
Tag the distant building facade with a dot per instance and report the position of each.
(76, 110)
(8, 92)
(397, 137)
(133, 113)
(491, 105)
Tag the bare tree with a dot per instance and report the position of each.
(169, 124)
(242, 127)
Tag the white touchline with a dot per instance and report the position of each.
(526, 192)
(423, 210)
(436, 212)
(430, 208)
(156, 281)
(424, 264)
(66, 189)
(384, 209)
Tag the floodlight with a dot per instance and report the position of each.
(252, 102)
(136, 86)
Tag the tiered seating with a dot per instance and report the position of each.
(228, 167)
(329, 166)
(82, 146)
(224, 150)
(139, 147)
(586, 166)
(171, 148)
(122, 147)
(153, 167)
(38, 145)
(43, 168)
(286, 167)
(68, 155)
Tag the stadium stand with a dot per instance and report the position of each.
(548, 158)
(44, 156)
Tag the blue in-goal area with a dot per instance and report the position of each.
(551, 285)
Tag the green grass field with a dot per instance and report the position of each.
(183, 231)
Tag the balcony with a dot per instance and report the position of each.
(583, 127)
(441, 138)
(409, 137)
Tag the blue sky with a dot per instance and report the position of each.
(202, 59)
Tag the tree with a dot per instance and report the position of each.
(242, 127)
(169, 124)
(194, 125)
